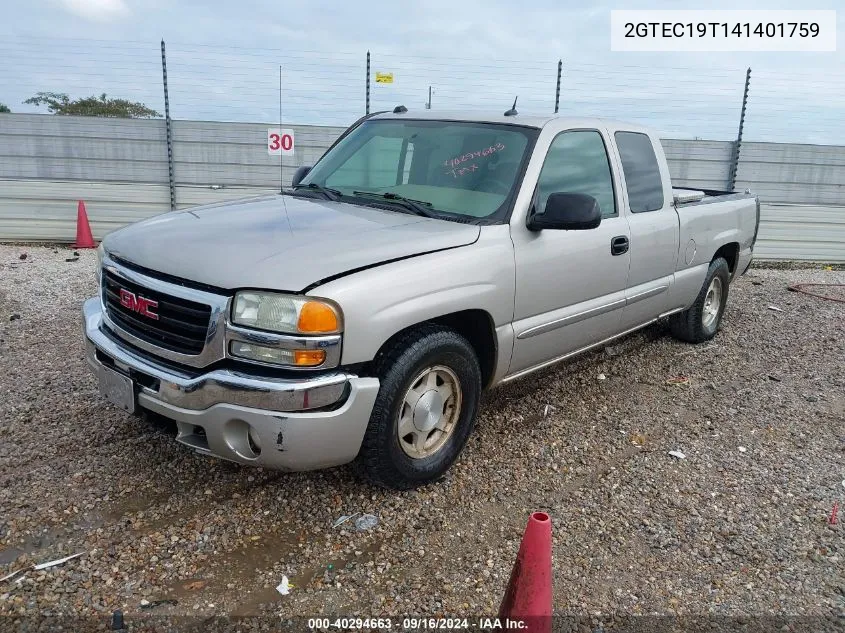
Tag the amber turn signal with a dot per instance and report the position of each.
(308, 357)
(316, 317)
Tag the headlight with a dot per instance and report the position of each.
(289, 314)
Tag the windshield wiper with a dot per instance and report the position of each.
(418, 207)
(332, 194)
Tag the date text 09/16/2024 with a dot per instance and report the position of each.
(416, 624)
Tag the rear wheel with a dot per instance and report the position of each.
(425, 409)
(701, 320)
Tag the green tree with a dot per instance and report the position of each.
(4, 108)
(60, 103)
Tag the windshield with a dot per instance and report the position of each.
(463, 170)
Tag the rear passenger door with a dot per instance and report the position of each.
(570, 285)
(654, 227)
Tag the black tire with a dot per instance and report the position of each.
(382, 460)
(691, 325)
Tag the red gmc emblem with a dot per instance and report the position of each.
(141, 305)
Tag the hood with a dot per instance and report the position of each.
(279, 243)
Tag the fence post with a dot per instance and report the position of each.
(557, 90)
(168, 128)
(738, 144)
(367, 111)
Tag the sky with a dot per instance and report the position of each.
(223, 61)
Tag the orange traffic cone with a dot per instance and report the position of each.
(84, 239)
(529, 594)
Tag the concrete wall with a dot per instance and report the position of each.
(119, 167)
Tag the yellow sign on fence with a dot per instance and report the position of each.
(384, 78)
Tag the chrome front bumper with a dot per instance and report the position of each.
(284, 424)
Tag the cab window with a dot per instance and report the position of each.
(642, 173)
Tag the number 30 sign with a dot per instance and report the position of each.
(279, 141)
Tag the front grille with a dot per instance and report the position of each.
(181, 326)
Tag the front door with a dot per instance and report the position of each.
(570, 285)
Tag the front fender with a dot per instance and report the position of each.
(380, 302)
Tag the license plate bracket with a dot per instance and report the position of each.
(117, 388)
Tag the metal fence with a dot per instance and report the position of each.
(120, 168)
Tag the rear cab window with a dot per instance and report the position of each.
(642, 171)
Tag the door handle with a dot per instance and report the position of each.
(619, 245)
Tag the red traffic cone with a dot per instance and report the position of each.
(529, 594)
(84, 239)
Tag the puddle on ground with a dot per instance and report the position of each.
(311, 577)
(238, 568)
(126, 507)
(9, 555)
(32, 544)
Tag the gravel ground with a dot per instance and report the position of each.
(739, 526)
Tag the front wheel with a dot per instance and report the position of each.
(701, 320)
(425, 409)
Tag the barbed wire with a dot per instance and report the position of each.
(230, 83)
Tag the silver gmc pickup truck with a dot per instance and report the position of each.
(358, 316)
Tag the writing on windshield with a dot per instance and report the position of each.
(454, 162)
(457, 172)
(460, 171)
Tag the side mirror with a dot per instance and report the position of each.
(568, 212)
(299, 174)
